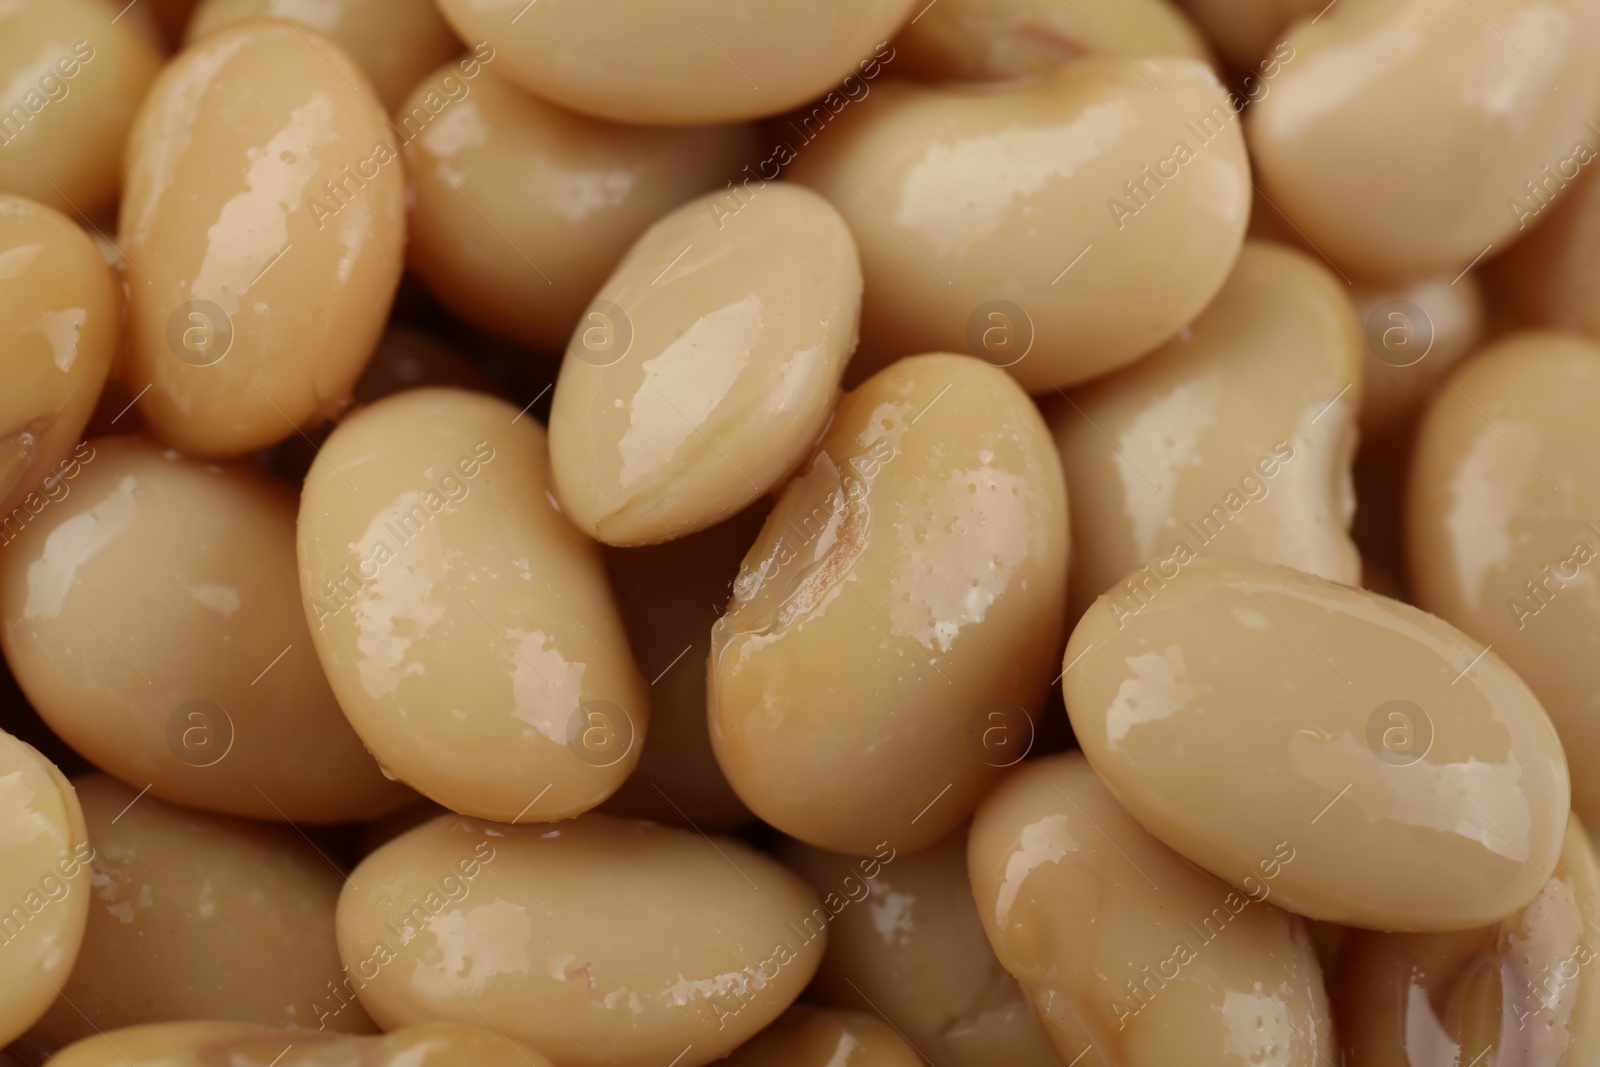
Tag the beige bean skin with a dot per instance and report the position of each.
(1245, 30)
(186, 905)
(982, 40)
(396, 42)
(600, 941)
(904, 939)
(59, 324)
(681, 63)
(1552, 275)
(963, 195)
(150, 615)
(1434, 322)
(670, 595)
(1402, 128)
(236, 159)
(1292, 680)
(561, 196)
(207, 1044)
(822, 1037)
(1501, 530)
(44, 884)
(72, 80)
(464, 625)
(909, 579)
(1235, 437)
(1526, 991)
(740, 323)
(1133, 957)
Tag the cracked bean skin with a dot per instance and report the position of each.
(182, 901)
(1243, 664)
(912, 576)
(208, 1044)
(1402, 128)
(60, 320)
(823, 1037)
(257, 290)
(994, 40)
(1521, 993)
(72, 78)
(44, 883)
(1245, 30)
(150, 615)
(741, 321)
(1236, 437)
(905, 940)
(1553, 274)
(462, 621)
(964, 195)
(1443, 322)
(396, 42)
(603, 942)
(1503, 524)
(1132, 957)
(679, 62)
(567, 195)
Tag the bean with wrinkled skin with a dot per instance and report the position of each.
(717, 374)
(465, 626)
(973, 203)
(1294, 680)
(264, 221)
(908, 581)
(207, 1044)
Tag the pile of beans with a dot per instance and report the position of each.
(560, 533)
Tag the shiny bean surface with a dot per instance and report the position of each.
(811, 1037)
(1130, 955)
(263, 223)
(678, 62)
(1503, 524)
(44, 884)
(208, 1044)
(521, 208)
(1236, 437)
(908, 585)
(60, 320)
(707, 366)
(1060, 227)
(600, 941)
(1416, 777)
(465, 626)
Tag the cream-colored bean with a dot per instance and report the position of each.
(1552, 275)
(707, 366)
(1060, 227)
(72, 78)
(1414, 774)
(197, 916)
(905, 940)
(1131, 956)
(983, 40)
(44, 884)
(60, 320)
(263, 222)
(520, 209)
(603, 942)
(1236, 437)
(1401, 135)
(1503, 524)
(1413, 335)
(823, 1037)
(150, 614)
(679, 63)
(670, 596)
(207, 1044)
(894, 626)
(465, 626)
(1245, 30)
(1526, 991)
(396, 42)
